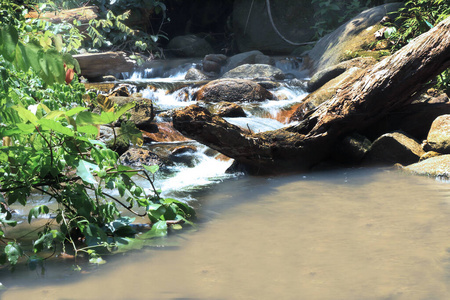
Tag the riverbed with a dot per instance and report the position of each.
(343, 234)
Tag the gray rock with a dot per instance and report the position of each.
(137, 157)
(241, 59)
(189, 46)
(437, 166)
(395, 147)
(195, 74)
(230, 110)
(438, 138)
(232, 90)
(324, 76)
(253, 71)
(350, 36)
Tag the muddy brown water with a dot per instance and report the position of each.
(347, 234)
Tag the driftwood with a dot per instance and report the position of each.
(387, 86)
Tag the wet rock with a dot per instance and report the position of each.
(189, 46)
(163, 132)
(232, 90)
(351, 36)
(184, 155)
(395, 147)
(268, 84)
(137, 157)
(229, 109)
(253, 71)
(351, 149)
(196, 75)
(324, 76)
(324, 93)
(141, 114)
(112, 139)
(105, 87)
(214, 62)
(122, 90)
(242, 59)
(438, 138)
(438, 166)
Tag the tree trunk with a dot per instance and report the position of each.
(386, 86)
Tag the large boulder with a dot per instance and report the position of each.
(438, 166)
(232, 90)
(254, 31)
(254, 71)
(325, 75)
(438, 138)
(189, 46)
(351, 36)
(395, 147)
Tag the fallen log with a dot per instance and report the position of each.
(82, 15)
(382, 88)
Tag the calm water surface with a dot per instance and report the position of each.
(348, 234)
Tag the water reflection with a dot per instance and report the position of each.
(355, 234)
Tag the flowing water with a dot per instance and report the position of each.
(344, 234)
(347, 234)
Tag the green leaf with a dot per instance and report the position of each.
(88, 129)
(88, 118)
(75, 111)
(13, 252)
(26, 115)
(85, 169)
(36, 211)
(9, 40)
(56, 126)
(152, 169)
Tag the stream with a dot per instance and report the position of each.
(361, 233)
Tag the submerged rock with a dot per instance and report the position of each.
(163, 132)
(232, 90)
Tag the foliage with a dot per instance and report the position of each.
(49, 146)
(111, 30)
(415, 18)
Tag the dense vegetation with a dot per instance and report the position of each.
(49, 147)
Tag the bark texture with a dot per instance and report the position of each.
(387, 86)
